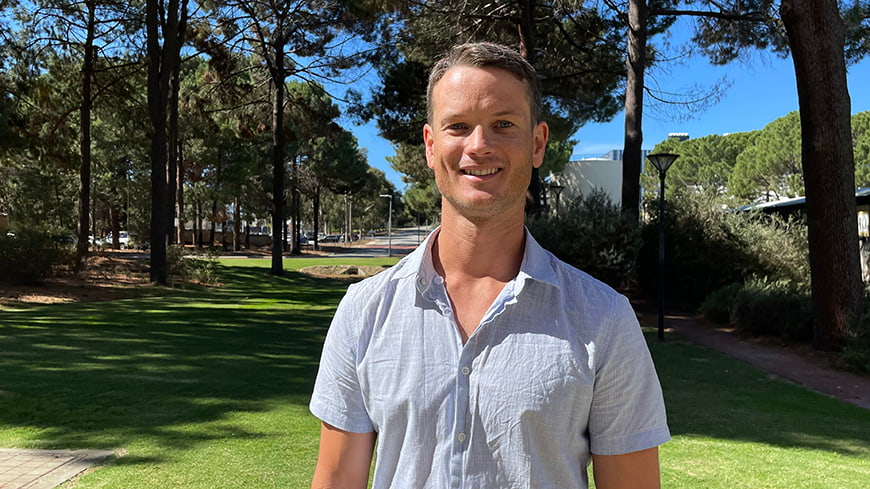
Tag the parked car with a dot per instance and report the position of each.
(123, 239)
(302, 240)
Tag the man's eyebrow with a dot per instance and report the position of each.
(454, 116)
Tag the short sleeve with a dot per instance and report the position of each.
(628, 410)
(337, 399)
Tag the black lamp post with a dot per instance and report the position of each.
(557, 189)
(662, 161)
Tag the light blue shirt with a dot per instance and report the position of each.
(558, 368)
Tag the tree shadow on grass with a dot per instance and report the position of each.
(709, 394)
(102, 374)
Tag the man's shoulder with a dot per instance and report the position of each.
(574, 280)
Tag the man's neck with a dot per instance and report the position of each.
(468, 250)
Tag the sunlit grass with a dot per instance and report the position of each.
(208, 388)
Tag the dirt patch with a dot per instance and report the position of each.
(105, 277)
(341, 271)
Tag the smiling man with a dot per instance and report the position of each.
(481, 360)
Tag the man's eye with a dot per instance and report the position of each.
(456, 127)
(505, 124)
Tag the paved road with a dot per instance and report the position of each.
(401, 242)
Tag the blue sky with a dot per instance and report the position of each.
(756, 92)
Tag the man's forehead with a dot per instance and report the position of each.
(461, 84)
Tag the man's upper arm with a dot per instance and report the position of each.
(635, 470)
(344, 460)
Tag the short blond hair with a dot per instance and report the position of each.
(487, 54)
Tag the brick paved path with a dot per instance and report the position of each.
(44, 469)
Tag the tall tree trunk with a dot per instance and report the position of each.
(316, 206)
(817, 37)
(197, 226)
(179, 200)
(295, 207)
(212, 232)
(172, 155)
(85, 140)
(528, 46)
(157, 116)
(174, 140)
(635, 64)
(278, 146)
(114, 222)
(161, 63)
(237, 225)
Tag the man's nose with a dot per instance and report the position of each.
(479, 142)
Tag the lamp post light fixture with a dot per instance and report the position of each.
(389, 225)
(557, 189)
(662, 161)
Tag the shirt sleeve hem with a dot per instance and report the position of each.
(332, 417)
(631, 443)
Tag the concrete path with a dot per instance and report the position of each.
(44, 469)
(809, 368)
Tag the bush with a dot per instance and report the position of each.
(707, 248)
(717, 306)
(773, 307)
(856, 354)
(199, 267)
(593, 235)
(27, 256)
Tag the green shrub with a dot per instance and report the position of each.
(718, 304)
(593, 235)
(775, 308)
(27, 256)
(707, 248)
(856, 354)
(200, 266)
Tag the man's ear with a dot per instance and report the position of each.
(539, 138)
(429, 142)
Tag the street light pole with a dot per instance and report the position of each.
(557, 189)
(662, 161)
(389, 226)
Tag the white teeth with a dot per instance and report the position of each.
(481, 173)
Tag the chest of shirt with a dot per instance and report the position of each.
(520, 364)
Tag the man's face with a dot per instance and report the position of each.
(481, 142)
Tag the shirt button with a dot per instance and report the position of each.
(461, 438)
(465, 370)
(439, 280)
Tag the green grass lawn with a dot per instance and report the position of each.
(208, 388)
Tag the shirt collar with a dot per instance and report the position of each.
(537, 264)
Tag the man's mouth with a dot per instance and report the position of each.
(481, 172)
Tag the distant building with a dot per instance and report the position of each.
(679, 136)
(583, 176)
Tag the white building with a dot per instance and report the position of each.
(584, 176)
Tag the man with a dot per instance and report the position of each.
(480, 360)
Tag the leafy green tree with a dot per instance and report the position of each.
(87, 31)
(861, 145)
(422, 195)
(334, 163)
(706, 164)
(41, 172)
(292, 40)
(770, 169)
(120, 154)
